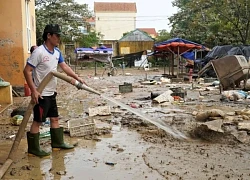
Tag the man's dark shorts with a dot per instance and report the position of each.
(47, 107)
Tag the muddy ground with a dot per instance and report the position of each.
(126, 146)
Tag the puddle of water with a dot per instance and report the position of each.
(174, 132)
(88, 160)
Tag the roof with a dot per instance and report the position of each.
(114, 6)
(149, 30)
(137, 35)
(91, 19)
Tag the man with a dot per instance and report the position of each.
(44, 60)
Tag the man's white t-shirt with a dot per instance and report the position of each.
(43, 61)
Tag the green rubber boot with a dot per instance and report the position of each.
(34, 146)
(57, 140)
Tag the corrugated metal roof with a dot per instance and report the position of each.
(114, 7)
(136, 35)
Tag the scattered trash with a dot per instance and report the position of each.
(154, 94)
(61, 172)
(214, 125)
(134, 105)
(125, 88)
(178, 91)
(164, 97)
(81, 127)
(216, 83)
(233, 95)
(128, 74)
(244, 126)
(12, 136)
(16, 120)
(243, 112)
(208, 80)
(204, 116)
(165, 80)
(247, 85)
(151, 82)
(120, 150)
(99, 110)
(230, 70)
(110, 163)
(44, 132)
(47, 122)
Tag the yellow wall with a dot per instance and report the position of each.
(127, 47)
(13, 39)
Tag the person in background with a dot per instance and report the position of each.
(43, 60)
(190, 66)
(32, 48)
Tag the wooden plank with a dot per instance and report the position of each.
(3, 107)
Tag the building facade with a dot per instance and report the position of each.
(112, 20)
(135, 41)
(17, 35)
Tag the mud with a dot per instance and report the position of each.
(128, 147)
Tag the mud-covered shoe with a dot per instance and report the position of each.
(34, 146)
(57, 140)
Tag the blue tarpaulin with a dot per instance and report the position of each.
(101, 49)
(188, 55)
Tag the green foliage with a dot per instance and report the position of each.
(212, 22)
(89, 40)
(163, 35)
(66, 13)
(124, 34)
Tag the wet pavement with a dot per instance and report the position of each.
(117, 156)
(135, 148)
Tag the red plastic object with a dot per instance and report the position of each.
(27, 91)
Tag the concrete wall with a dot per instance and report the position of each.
(113, 25)
(13, 39)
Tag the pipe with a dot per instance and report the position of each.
(21, 129)
(75, 82)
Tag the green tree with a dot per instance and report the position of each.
(163, 35)
(67, 13)
(89, 40)
(214, 22)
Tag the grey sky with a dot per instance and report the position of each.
(150, 14)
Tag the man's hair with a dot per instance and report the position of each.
(45, 36)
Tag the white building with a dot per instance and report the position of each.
(112, 19)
